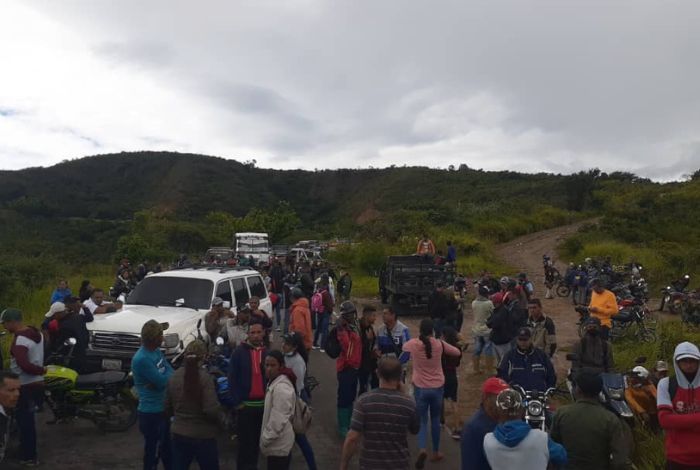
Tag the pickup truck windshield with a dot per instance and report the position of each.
(164, 291)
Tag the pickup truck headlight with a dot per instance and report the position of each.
(171, 341)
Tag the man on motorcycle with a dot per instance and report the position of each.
(527, 366)
(640, 395)
(593, 436)
(544, 335)
(603, 306)
(592, 351)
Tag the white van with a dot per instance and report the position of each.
(253, 244)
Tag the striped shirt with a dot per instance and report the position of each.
(384, 417)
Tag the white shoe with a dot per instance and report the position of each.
(323, 350)
(278, 329)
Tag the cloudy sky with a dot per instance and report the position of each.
(527, 85)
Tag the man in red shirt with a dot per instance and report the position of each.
(347, 364)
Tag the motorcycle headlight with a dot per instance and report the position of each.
(534, 408)
(171, 340)
(616, 393)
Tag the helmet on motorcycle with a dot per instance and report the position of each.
(640, 372)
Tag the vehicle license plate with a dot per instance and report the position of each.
(112, 364)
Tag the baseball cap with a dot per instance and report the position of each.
(10, 314)
(217, 301)
(641, 372)
(524, 332)
(661, 365)
(688, 356)
(494, 386)
(55, 308)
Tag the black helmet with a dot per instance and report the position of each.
(347, 308)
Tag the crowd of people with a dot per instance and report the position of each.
(388, 384)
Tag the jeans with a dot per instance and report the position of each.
(155, 428)
(279, 463)
(367, 379)
(322, 328)
(30, 397)
(306, 450)
(428, 400)
(482, 344)
(249, 426)
(347, 387)
(187, 449)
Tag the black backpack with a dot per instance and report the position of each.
(331, 344)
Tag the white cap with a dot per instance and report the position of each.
(641, 372)
(55, 308)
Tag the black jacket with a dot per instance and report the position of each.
(505, 321)
(441, 306)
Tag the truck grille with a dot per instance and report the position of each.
(116, 342)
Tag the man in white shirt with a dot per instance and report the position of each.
(96, 304)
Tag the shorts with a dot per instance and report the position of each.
(450, 387)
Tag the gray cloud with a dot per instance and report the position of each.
(533, 85)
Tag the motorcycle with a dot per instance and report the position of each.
(105, 398)
(674, 295)
(612, 396)
(631, 312)
(536, 404)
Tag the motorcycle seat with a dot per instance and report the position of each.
(623, 316)
(100, 379)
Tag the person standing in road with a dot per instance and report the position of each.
(481, 423)
(441, 306)
(392, 335)
(428, 382)
(247, 385)
(27, 361)
(277, 433)
(544, 334)
(192, 402)
(344, 286)
(300, 317)
(277, 275)
(382, 418)
(323, 313)
(9, 396)
(368, 368)
(592, 435)
(151, 372)
(347, 364)
(482, 308)
(527, 366)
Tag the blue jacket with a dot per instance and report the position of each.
(472, 442)
(391, 343)
(240, 373)
(59, 294)
(532, 370)
(151, 373)
(451, 254)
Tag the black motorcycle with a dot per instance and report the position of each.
(536, 404)
(632, 317)
(105, 398)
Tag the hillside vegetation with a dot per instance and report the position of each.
(154, 205)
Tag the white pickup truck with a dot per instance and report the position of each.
(180, 298)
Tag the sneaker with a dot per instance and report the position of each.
(315, 347)
(278, 329)
(456, 436)
(323, 350)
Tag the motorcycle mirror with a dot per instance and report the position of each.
(572, 357)
(219, 341)
(70, 342)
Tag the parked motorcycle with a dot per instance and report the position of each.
(674, 295)
(105, 398)
(613, 394)
(536, 406)
(632, 316)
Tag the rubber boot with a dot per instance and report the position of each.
(489, 367)
(344, 418)
(476, 364)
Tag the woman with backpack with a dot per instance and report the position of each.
(295, 358)
(428, 385)
(277, 434)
